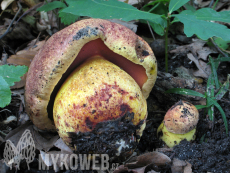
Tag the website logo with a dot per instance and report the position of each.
(25, 149)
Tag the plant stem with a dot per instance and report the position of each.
(166, 45)
(214, 6)
(150, 30)
(154, 7)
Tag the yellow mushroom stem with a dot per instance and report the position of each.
(172, 139)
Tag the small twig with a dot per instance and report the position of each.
(217, 47)
(151, 30)
(211, 3)
(8, 29)
(4, 57)
(3, 133)
(27, 12)
(5, 110)
(37, 39)
(172, 155)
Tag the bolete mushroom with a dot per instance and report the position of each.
(179, 123)
(100, 74)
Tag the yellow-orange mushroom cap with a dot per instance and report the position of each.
(181, 118)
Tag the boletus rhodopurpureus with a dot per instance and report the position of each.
(91, 81)
(179, 123)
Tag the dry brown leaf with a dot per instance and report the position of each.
(24, 57)
(122, 168)
(204, 70)
(188, 168)
(178, 165)
(40, 142)
(196, 48)
(139, 164)
(201, 3)
(155, 157)
(5, 4)
(61, 145)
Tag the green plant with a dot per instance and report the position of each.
(210, 96)
(9, 75)
(195, 22)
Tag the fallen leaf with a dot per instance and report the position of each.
(5, 4)
(204, 70)
(40, 142)
(196, 48)
(188, 168)
(155, 157)
(24, 57)
(10, 119)
(148, 161)
(61, 145)
(178, 165)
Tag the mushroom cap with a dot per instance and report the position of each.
(181, 118)
(69, 48)
(84, 101)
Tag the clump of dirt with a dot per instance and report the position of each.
(209, 156)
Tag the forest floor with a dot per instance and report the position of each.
(188, 68)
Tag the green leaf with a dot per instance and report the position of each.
(12, 74)
(176, 4)
(5, 93)
(222, 59)
(67, 18)
(210, 93)
(222, 113)
(223, 90)
(201, 28)
(210, 14)
(51, 6)
(159, 29)
(155, 2)
(201, 106)
(160, 9)
(210, 109)
(189, 7)
(214, 73)
(109, 9)
(30, 20)
(221, 43)
(185, 92)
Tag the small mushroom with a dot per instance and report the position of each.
(179, 123)
(92, 79)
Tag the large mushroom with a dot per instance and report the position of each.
(94, 78)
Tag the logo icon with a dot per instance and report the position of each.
(25, 150)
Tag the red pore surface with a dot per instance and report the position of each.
(97, 47)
